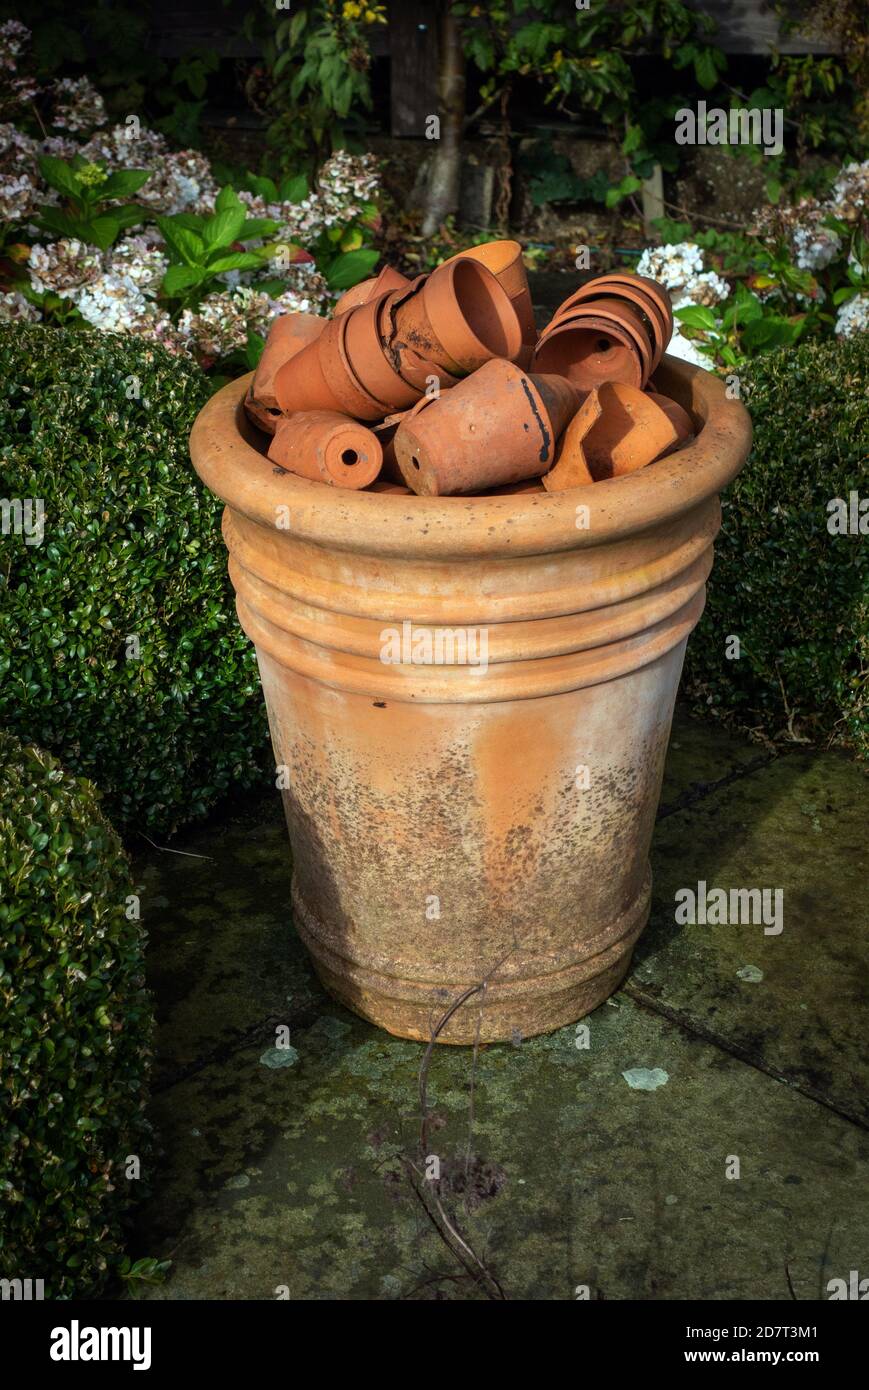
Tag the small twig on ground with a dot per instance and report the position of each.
(701, 217)
(471, 1101)
(164, 849)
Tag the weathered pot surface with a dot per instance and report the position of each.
(486, 818)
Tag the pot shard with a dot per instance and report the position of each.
(459, 318)
(542, 889)
(287, 336)
(327, 448)
(500, 426)
(366, 290)
(616, 430)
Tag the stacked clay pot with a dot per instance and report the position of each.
(440, 386)
(615, 328)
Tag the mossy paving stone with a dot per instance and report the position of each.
(702, 756)
(798, 824)
(288, 1177)
(223, 958)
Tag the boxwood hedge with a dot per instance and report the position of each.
(119, 646)
(75, 1028)
(794, 591)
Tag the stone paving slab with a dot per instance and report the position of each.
(296, 1176)
(289, 1177)
(793, 1002)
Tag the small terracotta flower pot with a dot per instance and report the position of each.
(320, 378)
(616, 311)
(459, 318)
(368, 360)
(366, 290)
(499, 426)
(327, 448)
(591, 352)
(634, 290)
(287, 336)
(617, 430)
(504, 260)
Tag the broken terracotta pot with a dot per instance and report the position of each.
(616, 430)
(504, 260)
(459, 317)
(499, 426)
(327, 448)
(288, 334)
(366, 290)
(320, 378)
(368, 360)
(679, 418)
(454, 780)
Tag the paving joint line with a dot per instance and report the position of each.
(742, 1054)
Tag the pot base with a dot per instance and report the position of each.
(531, 1002)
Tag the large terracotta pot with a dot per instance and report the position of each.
(454, 824)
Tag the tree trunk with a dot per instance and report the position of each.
(442, 196)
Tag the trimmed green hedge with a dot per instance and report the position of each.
(75, 1028)
(96, 425)
(795, 595)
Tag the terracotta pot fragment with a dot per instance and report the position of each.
(459, 317)
(327, 448)
(678, 417)
(288, 334)
(499, 426)
(617, 430)
(366, 290)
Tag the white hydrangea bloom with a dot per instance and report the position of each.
(63, 266)
(19, 197)
(15, 308)
(687, 351)
(853, 316)
(140, 260)
(78, 105)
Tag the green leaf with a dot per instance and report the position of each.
(103, 231)
(124, 183)
(294, 188)
(186, 245)
(227, 199)
(257, 227)
(60, 176)
(236, 260)
(179, 278)
(697, 316)
(351, 267)
(254, 349)
(223, 228)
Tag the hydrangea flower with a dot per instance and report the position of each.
(63, 267)
(19, 197)
(15, 308)
(679, 267)
(853, 316)
(78, 105)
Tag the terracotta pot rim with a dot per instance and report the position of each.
(452, 324)
(221, 446)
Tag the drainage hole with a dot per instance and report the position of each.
(349, 457)
(415, 462)
(603, 345)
